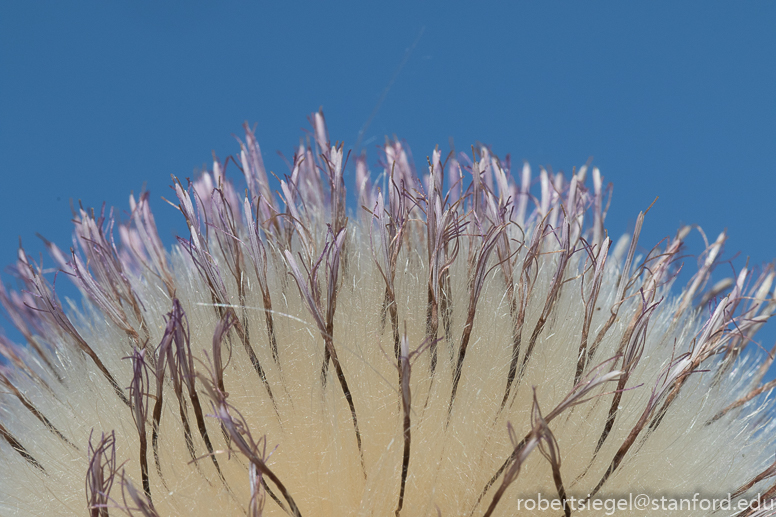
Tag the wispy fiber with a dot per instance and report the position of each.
(464, 338)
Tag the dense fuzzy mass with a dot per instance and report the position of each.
(456, 345)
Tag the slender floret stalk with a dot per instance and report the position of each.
(463, 340)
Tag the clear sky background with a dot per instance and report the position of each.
(671, 99)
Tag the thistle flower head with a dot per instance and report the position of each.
(468, 338)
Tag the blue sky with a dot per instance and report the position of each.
(670, 99)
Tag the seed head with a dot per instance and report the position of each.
(463, 339)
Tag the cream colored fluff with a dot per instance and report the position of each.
(312, 447)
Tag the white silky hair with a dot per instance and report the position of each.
(457, 446)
